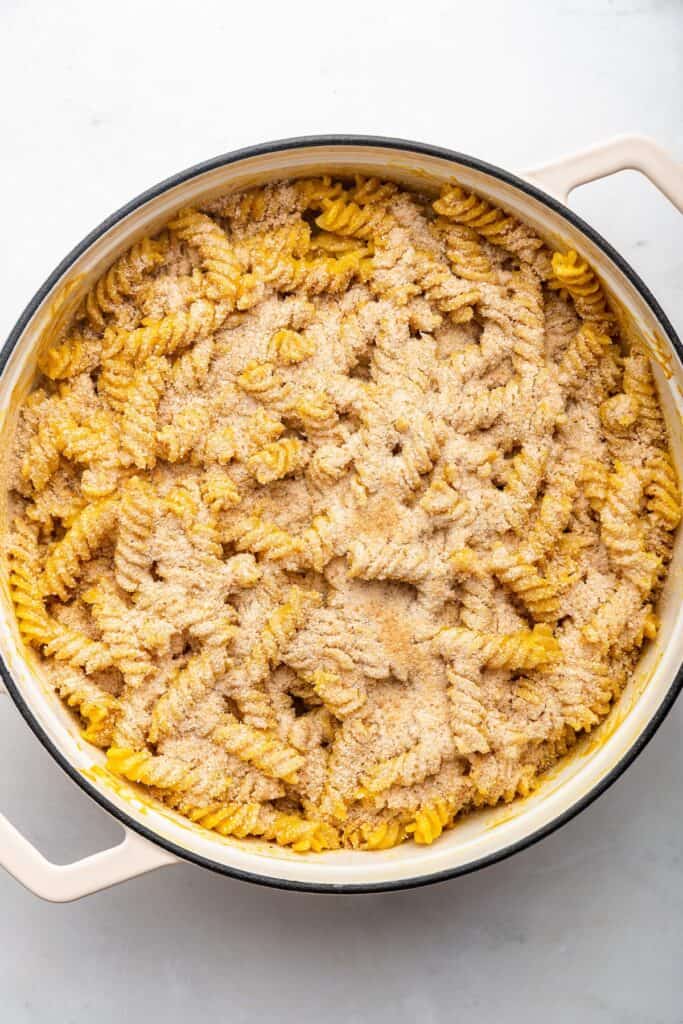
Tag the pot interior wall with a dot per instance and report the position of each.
(480, 835)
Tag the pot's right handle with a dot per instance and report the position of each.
(624, 152)
(61, 883)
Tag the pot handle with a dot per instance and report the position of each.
(61, 883)
(623, 152)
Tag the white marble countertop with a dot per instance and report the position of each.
(98, 103)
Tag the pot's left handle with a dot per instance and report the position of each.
(60, 883)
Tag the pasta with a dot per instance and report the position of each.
(76, 648)
(122, 280)
(215, 251)
(253, 819)
(138, 428)
(525, 649)
(488, 221)
(166, 336)
(662, 490)
(97, 707)
(525, 477)
(580, 280)
(118, 630)
(266, 539)
(538, 594)
(275, 460)
(431, 820)
(25, 586)
(262, 750)
(584, 352)
(339, 511)
(465, 251)
(405, 769)
(375, 836)
(468, 714)
(63, 564)
(66, 360)
(136, 511)
(187, 688)
(639, 386)
(622, 531)
(345, 217)
(290, 347)
(339, 695)
(163, 771)
(248, 685)
(219, 490)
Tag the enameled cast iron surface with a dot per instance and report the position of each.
(493, 834)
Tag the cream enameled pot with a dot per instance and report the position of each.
(154, 838)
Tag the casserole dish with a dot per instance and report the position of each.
(154, 835)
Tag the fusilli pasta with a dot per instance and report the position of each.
(339, 510)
